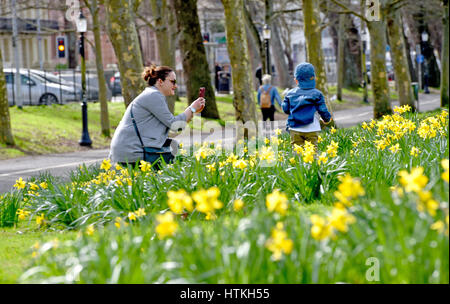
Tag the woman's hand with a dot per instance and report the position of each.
(199, 104)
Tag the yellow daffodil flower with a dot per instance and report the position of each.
(167, 226)
(277, 201)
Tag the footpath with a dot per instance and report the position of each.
(61, 165)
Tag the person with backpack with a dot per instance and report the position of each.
(267, 94)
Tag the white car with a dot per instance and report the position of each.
(91, 91)
(35, 90)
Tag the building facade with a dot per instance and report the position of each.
(38, 47)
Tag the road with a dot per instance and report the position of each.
(62, 164)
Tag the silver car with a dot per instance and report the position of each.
(36, 90)
(91, 91)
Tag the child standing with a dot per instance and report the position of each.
(302, 104)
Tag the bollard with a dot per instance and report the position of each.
(415, 87)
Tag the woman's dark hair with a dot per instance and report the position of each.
(152, 73)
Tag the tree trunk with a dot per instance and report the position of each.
(253, 52)
(6, 136)
(351, 61)
(444, 59)
(255, 34)
(342, 26)
(352, 57)
(314, 46)
(379, 81)
(281, 66)
(164, 23)
(124, 38)
(400, 63)
(72, 45)
(412, 71)
(195, 64)
(243, 100)
(102, 93)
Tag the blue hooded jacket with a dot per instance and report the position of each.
(302, 102)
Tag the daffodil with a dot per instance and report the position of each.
(320, 229)
(145, 166)
(349, 188)
(279, 243)
(211, 167)
(90, 230)
(179, 200)
(20, 184)
(22, 214)
(167, 226)
(207, 200)
(118, 222)
(238, 205)
(414, 181)
(414, 152)
(340, 218)
(240, 163)
(267, 155)
(131, 216)
(322, 158)
(444, 164)
(277, 201)
(140, 212)
(40, 219)
(395, 148)
(332, 149)
(106, 164)
(438, 226)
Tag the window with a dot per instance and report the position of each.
(26, 81)
(9, 78)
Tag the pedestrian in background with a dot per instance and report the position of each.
(217, 69)
(267, 94)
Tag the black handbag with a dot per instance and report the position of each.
(153, 155)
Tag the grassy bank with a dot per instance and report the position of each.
(56, 128)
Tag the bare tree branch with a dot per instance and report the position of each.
(350, 10)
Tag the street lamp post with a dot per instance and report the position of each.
(364, 66)
(81, 28)
(426, 75)
(266, 36)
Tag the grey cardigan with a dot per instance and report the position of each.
(153, 120)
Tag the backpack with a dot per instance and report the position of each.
(265, 98)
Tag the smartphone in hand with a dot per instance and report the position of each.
(201, 92)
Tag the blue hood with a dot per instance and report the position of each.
(305, 74)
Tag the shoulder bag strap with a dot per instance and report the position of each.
(135, 125)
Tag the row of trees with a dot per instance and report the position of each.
(176, 24)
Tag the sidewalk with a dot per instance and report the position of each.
(62, 164)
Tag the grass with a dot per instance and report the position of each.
(56, 128)
(398, 228)
(16, 248)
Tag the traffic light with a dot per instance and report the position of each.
(61, 45)
(205, 37)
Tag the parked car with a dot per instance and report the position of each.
(36, 90)
(91, 91)
(114, 84)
